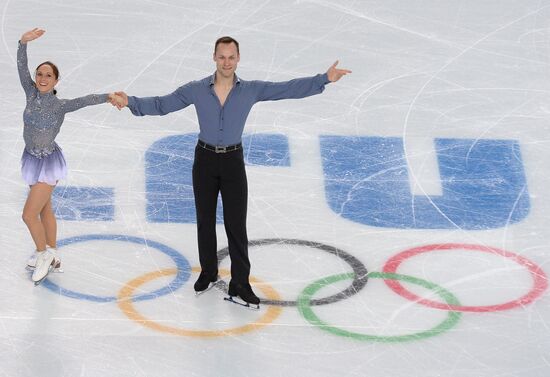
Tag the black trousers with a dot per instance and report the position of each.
(223, 173)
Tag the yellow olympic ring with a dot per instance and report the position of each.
(126, 305)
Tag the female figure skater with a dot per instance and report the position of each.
(42, 163)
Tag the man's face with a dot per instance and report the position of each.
(226, 58)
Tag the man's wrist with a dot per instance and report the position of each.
(325, 79)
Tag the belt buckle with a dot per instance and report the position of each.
(219, 149)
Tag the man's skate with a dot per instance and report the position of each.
(242, 294)
(204, 283)
(45, 263)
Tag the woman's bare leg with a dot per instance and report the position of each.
(39, 195)
(49, 223)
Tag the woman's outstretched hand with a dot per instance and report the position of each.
(31, 35)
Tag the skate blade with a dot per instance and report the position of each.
(235, 300)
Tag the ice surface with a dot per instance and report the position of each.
(436, 144)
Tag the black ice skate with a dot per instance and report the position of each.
(204, 283)
(243, 292)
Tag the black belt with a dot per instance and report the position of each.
(218, 149)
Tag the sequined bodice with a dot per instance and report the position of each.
(42, 119)
(44, 112)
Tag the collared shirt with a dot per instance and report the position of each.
(223, 125)
(44, 112)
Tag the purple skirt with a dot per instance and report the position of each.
(49, 169)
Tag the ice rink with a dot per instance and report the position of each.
(398, 222)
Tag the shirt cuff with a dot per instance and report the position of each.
(324, 79)
(131, 102)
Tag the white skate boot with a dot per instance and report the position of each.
(45, 263)
(31, 262)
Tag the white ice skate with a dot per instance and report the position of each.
(31, 262)
(45, 263)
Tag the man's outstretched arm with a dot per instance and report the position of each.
(179, 99)
(299, 88)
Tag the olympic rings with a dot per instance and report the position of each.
(540, 281)
(181, 277)
(305, 308)
(359, 276)
(125, 303)
(360, 273)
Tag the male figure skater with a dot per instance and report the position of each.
(222, 102)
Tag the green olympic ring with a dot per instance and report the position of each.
(306, 310)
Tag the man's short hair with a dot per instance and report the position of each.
(226, 40)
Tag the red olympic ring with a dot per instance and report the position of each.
(540, 281)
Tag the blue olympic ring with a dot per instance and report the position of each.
(184, 269)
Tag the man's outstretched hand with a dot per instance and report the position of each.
(335, 74)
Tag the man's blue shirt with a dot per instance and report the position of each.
(223, 125)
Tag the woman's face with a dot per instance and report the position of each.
(45, 78)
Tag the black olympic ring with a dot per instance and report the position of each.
(359, 270)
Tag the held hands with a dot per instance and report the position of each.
(31, 35)
(118, 99)
(335, 74)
